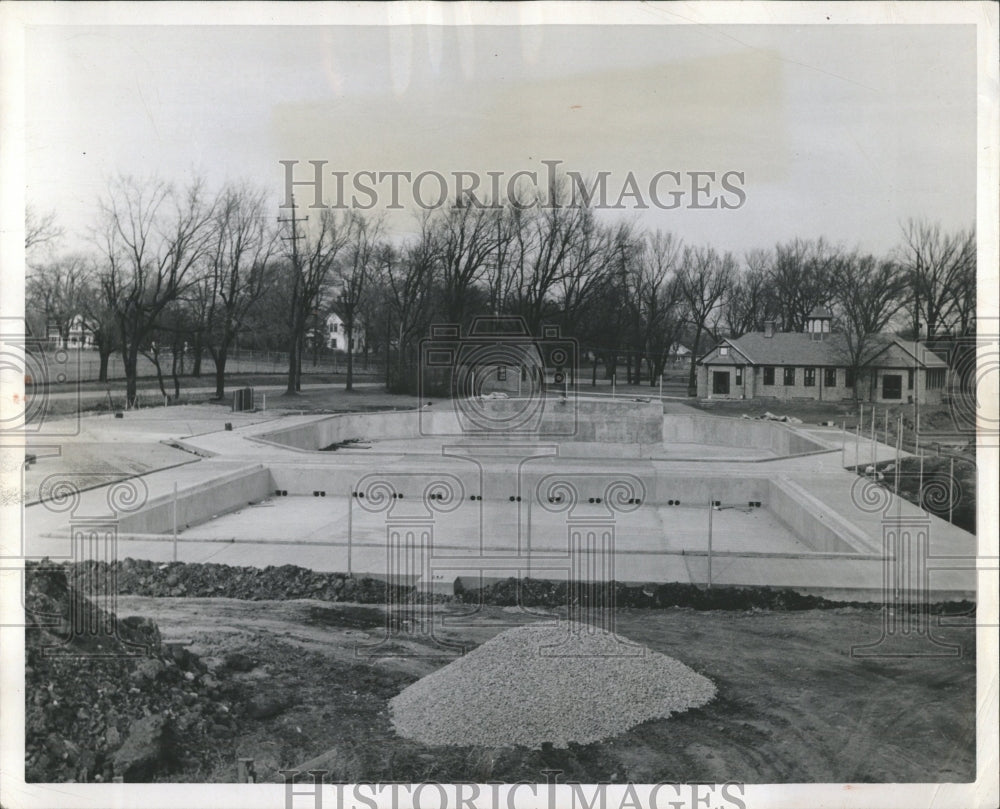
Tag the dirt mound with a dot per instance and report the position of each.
(552, 683)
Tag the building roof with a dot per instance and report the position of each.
(795, 348)
(819, 311)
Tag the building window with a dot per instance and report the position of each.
(848, 377)
(935, 378)
(724, 351)
(768, 374)
(810, 377)
(739, 376)
(790, 375)
(909, 379)
(829, 377)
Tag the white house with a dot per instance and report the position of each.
(336, 334)
(79, 334)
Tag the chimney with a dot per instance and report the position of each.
(769, 328)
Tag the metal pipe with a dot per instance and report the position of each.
(350, 528)
(175, 520)
(951, 489)
(874, 451)
(920, 485)
(899, 441)
(711, 508)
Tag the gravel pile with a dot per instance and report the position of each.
(508, 692)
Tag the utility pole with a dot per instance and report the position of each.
(296, 343)
(916, 389)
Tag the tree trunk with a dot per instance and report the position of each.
(220, 373)
(197, 348)
(130, 361)
(692, 378)
(299, 354)
(159, 371)
(349, 328)
(102, 374)
(173, 373)
(293, 364)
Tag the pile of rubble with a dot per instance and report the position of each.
(139, 577)
(107, 699)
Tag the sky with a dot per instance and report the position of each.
(842, 132)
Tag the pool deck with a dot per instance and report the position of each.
(654, 544)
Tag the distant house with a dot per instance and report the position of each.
(78, 335)
(336, 334)
(679, 356)
(815, 364)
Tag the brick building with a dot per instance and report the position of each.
(816, 364)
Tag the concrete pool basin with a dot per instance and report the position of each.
(637, 498)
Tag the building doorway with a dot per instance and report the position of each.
(892, 386)
(720, 383)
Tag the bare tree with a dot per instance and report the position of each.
(465, 238)
(941, 268)
(310, 266)
(39, 229)
(353, 274)
(408, 276)
(658, 291)
(750, 301)
(54, 292)
(151, 237)
(99, 318)
(867, 293)
(241, 248)
(800, 279)
(705, 276)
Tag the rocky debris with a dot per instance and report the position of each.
(237, 661)
(137, 577)
(266, 705)
(547, 683)
(108, 702)
(784, 419)
(145, 751)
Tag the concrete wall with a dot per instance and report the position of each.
(581, 422)
(196, 505)
(730, 432)
(812, 522)
(659, 487)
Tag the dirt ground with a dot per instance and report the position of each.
(793, 704)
